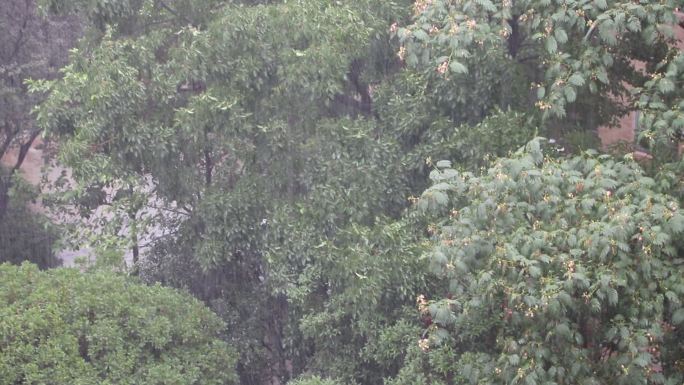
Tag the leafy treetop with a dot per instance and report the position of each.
(559, 271)
(62, 326)
(566, 49)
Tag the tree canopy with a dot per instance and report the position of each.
(64, 327)
(557, 271)
(271, 158)
(558, 57)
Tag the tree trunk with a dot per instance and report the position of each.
(280, 368)
(4, 195)
(6, 180)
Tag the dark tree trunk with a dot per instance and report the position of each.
(4, 195)
(280, 367)
(515, 39)
(6, 180)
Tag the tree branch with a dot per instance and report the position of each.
(23, 151)
(8, 140)
(18, 42)
(174, 12)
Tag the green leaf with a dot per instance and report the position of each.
(551, 44)
(534, 271)
(666, 85)
(570, 94)
(440, 198)
(676, 223)
(563, 330)
(441, 313)
(602, 76)
(607, 32)
(535, 151)
(541, 91)
(457, 67)
(441, 335)
(442, 186)
(678, 316)
(487, 5)
(642, 360)
(560, 35)
(607, 59)
(421, 35)
(612, 296)
(576, 80)
(443, 164)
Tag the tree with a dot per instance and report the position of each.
(224, 148)
(31, 47)
(260, 154)
(358, 300)
(66, 327)
(559, 271)
(574, 62)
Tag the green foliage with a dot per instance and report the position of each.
(670, 179)
(575, 57)
(561, 271)
(64, 327)
(474, 147)
(313, 380)
(231, 149)
(421, 112)
(358, 294)
(580, 140)
(26, 235)
(260, 155)
(662, 119)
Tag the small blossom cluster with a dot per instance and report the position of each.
(424, 344)
(422, 304)
(443, 68)
(420, 6)
(542, 105)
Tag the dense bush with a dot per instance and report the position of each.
(63, 327)
(560, 271)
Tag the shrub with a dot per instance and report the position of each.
(562, 271)
(63, 327)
